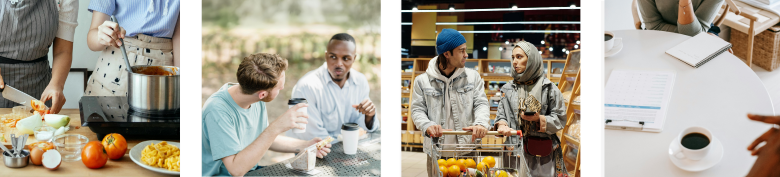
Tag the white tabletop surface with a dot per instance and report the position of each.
(717, 96)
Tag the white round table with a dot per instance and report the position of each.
(717, 96)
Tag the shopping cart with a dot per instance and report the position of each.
(509, 159)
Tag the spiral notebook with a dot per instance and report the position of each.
(699, 49)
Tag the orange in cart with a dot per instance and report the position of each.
(454, 171)
(470, 163)
(443, 162)
(490, 161)
(483, 167)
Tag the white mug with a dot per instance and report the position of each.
(609, 43)
(692, 154)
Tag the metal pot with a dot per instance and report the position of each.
(150, 91)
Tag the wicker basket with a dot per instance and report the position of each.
(766, 47)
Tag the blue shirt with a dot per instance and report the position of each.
(136, 17)
(330, 106)
(228, 129)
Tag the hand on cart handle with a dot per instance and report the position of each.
(477, 131)
(506, 131)
(435, 131)
(512, 133)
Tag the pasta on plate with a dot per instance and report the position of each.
(162, 155)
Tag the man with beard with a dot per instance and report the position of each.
(336, 94)
(448, 96)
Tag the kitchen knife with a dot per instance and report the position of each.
(17, 96)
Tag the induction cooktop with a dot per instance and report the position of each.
(112, 114)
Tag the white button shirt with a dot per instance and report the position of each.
(329, 105)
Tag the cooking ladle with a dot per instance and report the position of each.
(122, 47)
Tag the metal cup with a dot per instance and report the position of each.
(16, 162)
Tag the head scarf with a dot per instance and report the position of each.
(533, 69)
(531, 80)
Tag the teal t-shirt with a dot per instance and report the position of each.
(228, 129)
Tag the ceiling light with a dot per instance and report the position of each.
(493, 9)
(551, 49)
(500, 48)
(452, 6)
(513, 5)
(484, 48)
(576, 46)
(542, 42)
(540, 52)
(507, 42)
(578, 41)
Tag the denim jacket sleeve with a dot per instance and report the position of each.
(556, 118)
(481, 105)
(419, 108)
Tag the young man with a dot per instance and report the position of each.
(236, 133)
(448, 96)
(336, 93)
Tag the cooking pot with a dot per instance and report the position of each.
(154, 89)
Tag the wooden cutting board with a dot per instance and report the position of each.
(121, 167)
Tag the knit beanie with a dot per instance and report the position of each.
(448, 39)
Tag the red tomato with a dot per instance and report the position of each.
(115, 145)
(93, 155)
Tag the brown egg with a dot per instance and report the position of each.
(36, 156)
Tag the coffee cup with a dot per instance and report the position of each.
(349, 132)
(293, 102)
(694, 143)
(609, 41)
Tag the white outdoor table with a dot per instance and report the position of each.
(717, 96)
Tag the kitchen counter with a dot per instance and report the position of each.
(122, 167)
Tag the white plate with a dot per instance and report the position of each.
(712, 158)
(615, 49)
(135, 154)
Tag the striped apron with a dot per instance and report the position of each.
(110, 75)
(27, 28)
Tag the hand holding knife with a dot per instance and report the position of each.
(16, 95)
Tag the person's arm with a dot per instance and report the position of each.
(652, 18)
(102, 32)
(420, 108)
(502, 116)
(481, 105)
(176, 43)
(556, 119)
(294, 145)
(62, 54)
(768, 154)
(690, 22)
(63, 57)
(240, 163)
(367, 110)
(481, 111)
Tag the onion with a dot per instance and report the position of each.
(52, 159)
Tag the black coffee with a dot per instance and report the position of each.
(695, 141)
(607, 37)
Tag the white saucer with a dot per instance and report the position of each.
(712, 158)
(616, 48)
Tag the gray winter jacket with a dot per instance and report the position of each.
(460, 97)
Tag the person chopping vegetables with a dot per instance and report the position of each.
(150, 30)
(29, 28)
